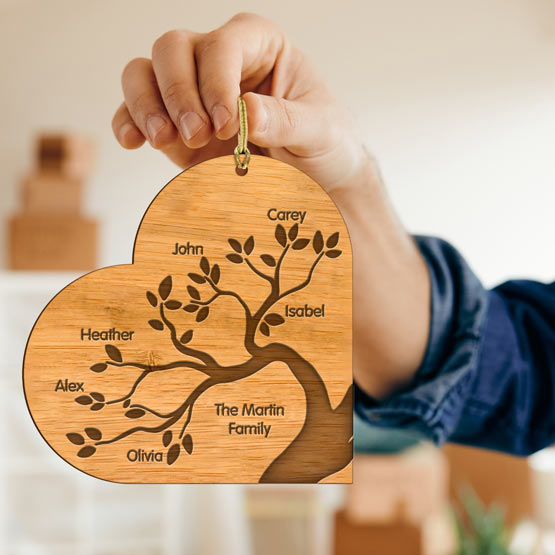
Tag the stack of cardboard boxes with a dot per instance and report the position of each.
(50, 232)
(397, 504)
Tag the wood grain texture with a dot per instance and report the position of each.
(230, 355)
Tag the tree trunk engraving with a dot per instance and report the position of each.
(322, 447)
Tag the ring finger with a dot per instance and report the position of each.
(145, 104)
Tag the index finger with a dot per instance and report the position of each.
(235, 58)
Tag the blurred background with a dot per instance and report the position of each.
(457, 102)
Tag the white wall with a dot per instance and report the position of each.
(457, 100)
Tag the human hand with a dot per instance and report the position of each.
(184, 102)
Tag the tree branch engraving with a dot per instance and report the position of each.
(299, 461)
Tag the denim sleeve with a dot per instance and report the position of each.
(488, 374)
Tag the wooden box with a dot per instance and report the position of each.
(496, 478)
(50, 242)
(65, 154)
(50, 192)
(432, 536)
(417, 479)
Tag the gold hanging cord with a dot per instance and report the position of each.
(242, 153)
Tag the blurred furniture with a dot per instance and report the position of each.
(47, 507)
(496, 478)
(292, 519)
(398, 503)
(50, 233)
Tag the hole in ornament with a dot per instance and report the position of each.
(241, 171)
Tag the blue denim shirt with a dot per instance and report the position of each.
(488, 375)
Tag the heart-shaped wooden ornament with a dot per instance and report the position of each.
(222, 354)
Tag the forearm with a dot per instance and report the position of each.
(391, 291)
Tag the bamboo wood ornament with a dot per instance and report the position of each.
(222, 354)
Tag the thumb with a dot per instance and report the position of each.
(276, 122)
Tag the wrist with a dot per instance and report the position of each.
(390, 285)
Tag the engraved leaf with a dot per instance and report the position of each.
(332, 240)
(215, 274)
(94, 433)
(235, 245)
(173, 453)
(293, 232)
(83, 400)
(186, 337)
(97, 396)
(249, 245)
(126, 403)
(188, 443)
(281, 238)
(235, 258)
(167, 438)
(114, 353)
(97, 406)
(300, 244)
(156, 324)
(191, 308)
(165, 287)
(151, 297)
(172, 305)
(205, 265)
(264, 329)
(76, 439)
(333, 253)
(202, 314)
(197, 278)
(86, 451)
(274, 319)
(318, 242)
(135, 413)
(193, 292)
(268, 259)
(100, 367)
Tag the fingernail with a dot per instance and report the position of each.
(124, 130)
(190, 124)
(263, 120)
(153, 126)
(220, 116)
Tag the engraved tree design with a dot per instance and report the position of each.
(317, 451)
